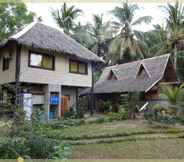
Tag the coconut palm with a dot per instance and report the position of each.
(156, 41)
(95, 36)
(100, 32)
(65, 17)
(126, 43)
(81, 35)
(175, 24)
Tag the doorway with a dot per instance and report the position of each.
(64, 105)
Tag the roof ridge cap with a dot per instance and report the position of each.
(138, 61)
(23, 31)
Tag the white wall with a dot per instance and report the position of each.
(61, 75)
(7, 76)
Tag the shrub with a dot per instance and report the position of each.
(32, 140)
(111, 116)
(159, 114)
(74, 114)
(41, 147)
(100, 120)
(122, 115)
(63, 123)
(11, 148)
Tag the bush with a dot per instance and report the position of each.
(63, 123)
(100, 120)
(71, 114)
(74, 114)
(34, 147)
(159, 114)
(122, 115)
(111, 116)
(32, 140)
(11, 148)
(180, 119)
(41, 147)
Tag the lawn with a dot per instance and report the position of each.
(125, 139)
(152, 149)
(116, 129)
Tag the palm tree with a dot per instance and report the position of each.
(156, 41)
(95, 36)
(126, 43)
(101, 33)
(81, 35)
(175, 28)
(65, 17)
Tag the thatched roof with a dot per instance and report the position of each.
(40, 36)
(127, 77)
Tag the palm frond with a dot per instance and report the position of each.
(143, 19)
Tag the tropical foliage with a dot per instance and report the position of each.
(174, 95)
(13, 15)
(117, 41)
(65, 16)
(126, 45)
(96, 36)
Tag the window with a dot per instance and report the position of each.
(112, 76)
(6, 63)
(78, 67)
(142, 73)
(41, 61)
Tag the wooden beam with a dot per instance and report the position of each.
(17, 76)
(92, 103)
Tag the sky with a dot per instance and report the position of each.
(146, 9)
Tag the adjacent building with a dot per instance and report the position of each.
(145, 76)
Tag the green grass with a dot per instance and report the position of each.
(125, 139)
(115, 129)
(139, 149)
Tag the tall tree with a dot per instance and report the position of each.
(95, 36)
(126, 46)
(65, 17)
(175, 28)
(156, 41)
(13, 15)
(82, 35)
(100, 32)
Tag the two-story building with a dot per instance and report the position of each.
(49, 66)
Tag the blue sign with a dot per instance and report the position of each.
(54, 100)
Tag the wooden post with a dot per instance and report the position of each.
(92, 107)
(77, 98)
(17, 74)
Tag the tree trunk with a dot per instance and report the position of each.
(115, 102)
(175, 57)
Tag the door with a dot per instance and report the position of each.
(64, 105)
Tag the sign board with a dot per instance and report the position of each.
(54, 99)
(27, 105)
(38, 99)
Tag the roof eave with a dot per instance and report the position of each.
(63, 52)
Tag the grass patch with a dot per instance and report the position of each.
(137, 149)
(115, 129)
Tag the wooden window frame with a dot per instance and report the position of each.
(5, 67)
(78, 62)
(39, 67)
